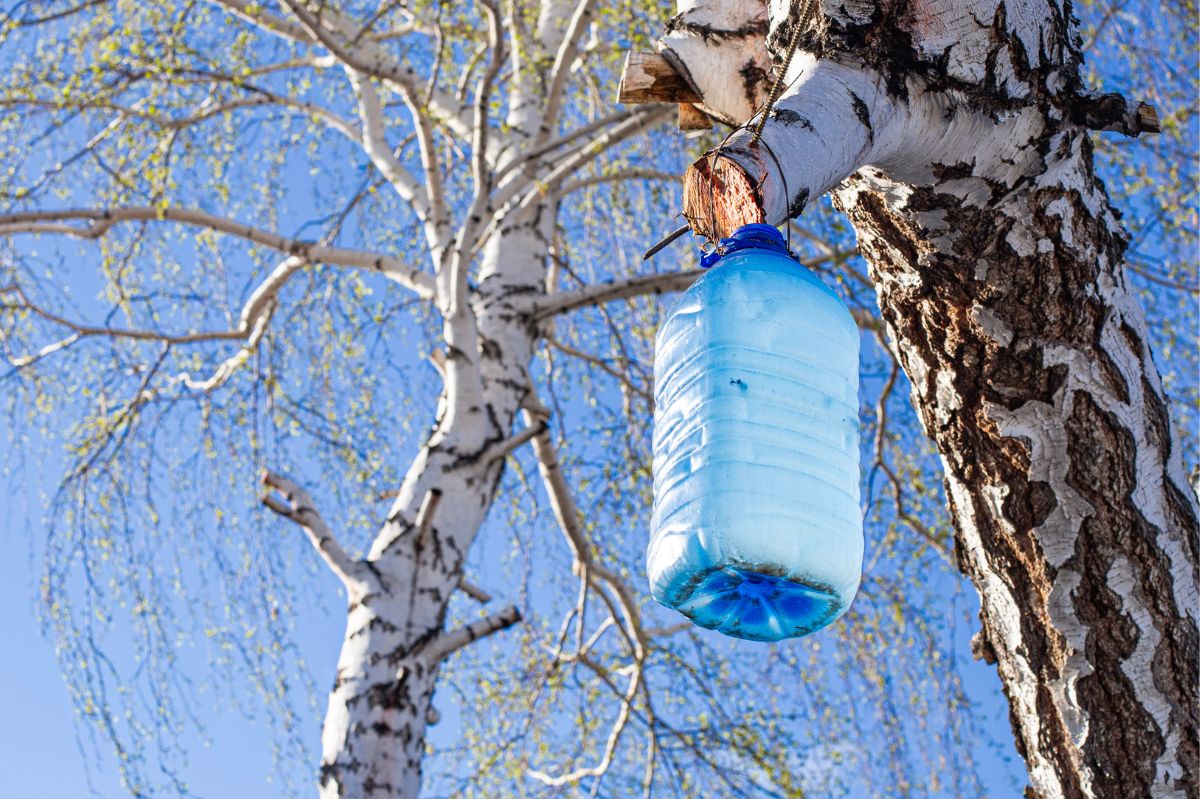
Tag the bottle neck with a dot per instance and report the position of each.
(756, 236)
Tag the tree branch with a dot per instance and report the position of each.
(611, 177)
(374, 143)
(522, 161)
(332, 30)
(544, 308)
(482, 175)
(297, 506)
(448, 643)
(101, 220)
(563, 59)
(598, 294)
(502, 449)
(429, 506)
(567, 513)
(614, 734)
(84, 331)
(204, 112)
(475, 592)
(528, 186)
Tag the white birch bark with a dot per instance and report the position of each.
(373, 737)
(955, 133)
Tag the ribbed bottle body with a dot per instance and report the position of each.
(756, 529)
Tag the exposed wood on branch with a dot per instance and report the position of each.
(719, 197)
(651, 78)
(691, 117)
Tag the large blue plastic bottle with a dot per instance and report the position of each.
(757, 530)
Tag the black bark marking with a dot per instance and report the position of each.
(798, 205)
(788, 117)
(864, 115)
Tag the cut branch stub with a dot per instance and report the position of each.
(719, 197)
(651, 78)
(692, 117)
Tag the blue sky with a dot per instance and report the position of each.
(43, 750)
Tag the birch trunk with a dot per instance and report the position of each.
(957, 133)
(374, 733)
(1031, 368)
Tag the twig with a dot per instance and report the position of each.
(101, 220)
(502, 449)
(474, 591)
(665, 242)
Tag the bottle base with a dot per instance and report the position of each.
(758, 607)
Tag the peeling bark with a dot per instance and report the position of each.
(955, 133)
(1031, 368)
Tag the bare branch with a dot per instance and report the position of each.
(613, 177)
(101, 220)
(563, 59)
(529, 186)
(525, 163)
(898, 489)
(22, 361)
(614, 734)
(482, 175)
(474, 591)
(254, 14)
(84, 331)
(448, 643)
(567, 513)
(425, 513)
(204, 112)
(335, 32)
(598, 294)
(502, 449)
(546, 307)
(568, 163)
(374, 142)
(622, 376)
(297, 506)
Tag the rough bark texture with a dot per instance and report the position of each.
(959, 130)
(1031, 369)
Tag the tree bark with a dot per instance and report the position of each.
(1031, 368)
(958, 137)
(374, 733)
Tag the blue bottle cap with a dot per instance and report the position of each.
(756, 235)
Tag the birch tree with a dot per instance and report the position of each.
(377, 264)
(311, 251)
(955, 138)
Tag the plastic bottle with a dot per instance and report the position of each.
(756, 530)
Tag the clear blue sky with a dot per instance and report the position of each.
(41, 752)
